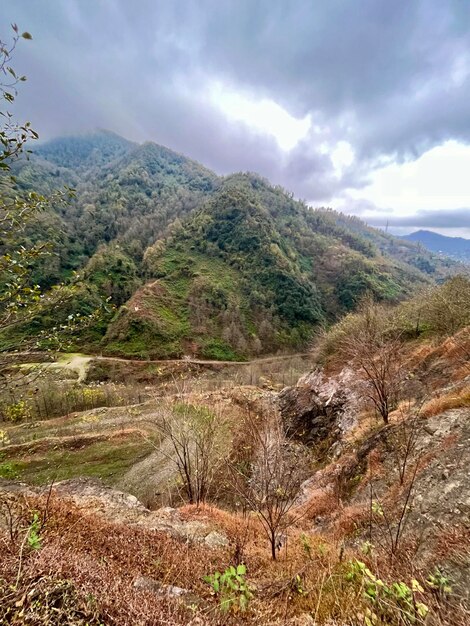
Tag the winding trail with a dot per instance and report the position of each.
(80, 363)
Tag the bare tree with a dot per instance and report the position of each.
(269, 483)
(392, 517)
(378, 356)
(197, 439)
(405, 437)
(393, 521)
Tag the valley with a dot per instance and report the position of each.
(153, 455)
(205, 380)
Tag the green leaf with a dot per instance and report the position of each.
(26, 35)
(423, 610)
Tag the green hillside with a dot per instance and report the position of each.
(193, 263)
(253, 271)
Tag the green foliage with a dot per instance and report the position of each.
(439, 582)
(108, 460)
(33, 533)
(218, 350)
(254, 271)
(390, 603)
(17, 411)
(8, 470)
(438, 311)
(126, 194)
(114, 273)
(231, 588)
(4, 438)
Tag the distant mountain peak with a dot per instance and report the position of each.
(88, 149)
(453, 247)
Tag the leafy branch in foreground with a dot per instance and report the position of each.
(13, 136)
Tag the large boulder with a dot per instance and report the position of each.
(317, 410)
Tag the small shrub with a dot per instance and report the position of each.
(231, 587)
(4, 438)
(33, 535)
(392, 603)
(439, 583)
(18, 411)
(8, 470)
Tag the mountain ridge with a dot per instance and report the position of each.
(454, 247)
(216, 267)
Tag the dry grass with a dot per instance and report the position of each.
(85, 569)
(89, 566)
(452, 400)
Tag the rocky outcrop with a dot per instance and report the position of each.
(154, 586)
(317, 410)
(91, 495)
(169, 520)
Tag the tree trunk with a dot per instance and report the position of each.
(273, 545)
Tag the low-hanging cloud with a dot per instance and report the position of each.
(451, 219)
(390, 78)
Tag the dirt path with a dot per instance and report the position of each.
(80, 362)
(269, 359)
(75, 362)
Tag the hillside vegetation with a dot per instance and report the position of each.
(368, 511)
(192, 263)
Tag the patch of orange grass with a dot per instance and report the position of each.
(320, 502)
(350, 519)
(460, 372)
(452, 400)
(420, 352)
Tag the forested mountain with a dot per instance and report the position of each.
(253, 271)
(219, 267)
(453, 247)
(84, 151)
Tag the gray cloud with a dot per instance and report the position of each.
(456, 218)
(392, 78)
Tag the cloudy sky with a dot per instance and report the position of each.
(363, 105)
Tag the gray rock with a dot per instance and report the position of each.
(173, 591)
(149, 584)
(216, 540)
(315, 409)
